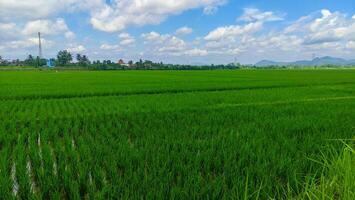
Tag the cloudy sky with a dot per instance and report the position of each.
(180, 31)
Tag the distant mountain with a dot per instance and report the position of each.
(327, 60)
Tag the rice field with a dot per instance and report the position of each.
(244, 134)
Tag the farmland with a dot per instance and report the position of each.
(170, 134)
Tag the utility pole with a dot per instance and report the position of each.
(39, 46)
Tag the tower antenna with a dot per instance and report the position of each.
(39, 45)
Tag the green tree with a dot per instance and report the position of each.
(78, 58)
(64, 58)
(83, 60)
(30, 61)
(40, 62)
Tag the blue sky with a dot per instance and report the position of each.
(184, 31)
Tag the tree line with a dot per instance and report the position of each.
(65, 59)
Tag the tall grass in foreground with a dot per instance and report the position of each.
(337, 180)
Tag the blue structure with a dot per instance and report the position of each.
(50, 63)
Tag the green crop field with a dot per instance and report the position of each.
(243, 134)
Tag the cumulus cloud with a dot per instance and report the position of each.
(69, 35)
(7, 27)
(23, 36)
(47, 27)
(35, 9)
(7, 30)
(298, 24)
(184, 30)
(76, 49)
(196, 52)
(26, 43)
(233, 31)
(253, 14)
(234, 51)
(210, 10)
(324, 32)
(110, 47)
(112, 16)
(350, 45)
(329, 27)
(126, 39)
(172, 44)
(154, 36)
(166, 44)
(120, 14)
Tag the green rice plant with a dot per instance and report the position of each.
(337, 179)
(5, 180)
(176, 135)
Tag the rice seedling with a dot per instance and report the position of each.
(177, 135)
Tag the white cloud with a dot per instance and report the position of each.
(29, 8)
(170, 45)
(26, 43)
(77, 49)
(154, 36)
(35, 9)
(236, 39)
(7, 27)
(215, 44)
(324, 32)
(253, 14)
(120, 14)
(278, 41)
(124, 35)
(23, 43)
(7, 30)
(350, 45)
(234, 51)
(127, 42)
(108, 16)
(233, 31)
(47, 27)
(326, 13)
(126, 39)
(329, 27)
(24, 35)
(184, 30)
(69, 35)
(298, 25)
(210, 10)
(327, 20)
(110, 47)
(196, 52)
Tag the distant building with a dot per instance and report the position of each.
(121, 62)
(50, 63)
